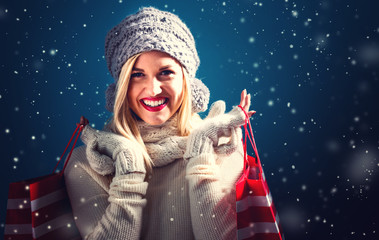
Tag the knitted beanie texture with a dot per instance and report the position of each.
(152, 29)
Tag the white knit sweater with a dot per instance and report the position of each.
(180, 200)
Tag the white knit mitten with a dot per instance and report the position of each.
(108, 152)
(205, 138)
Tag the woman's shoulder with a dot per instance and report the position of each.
(78, 159)
(79, 155)
(78, 166)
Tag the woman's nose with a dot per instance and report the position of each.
(154, 87)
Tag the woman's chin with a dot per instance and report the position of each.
(156, 120)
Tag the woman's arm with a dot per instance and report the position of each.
(211, 177)
(211, 182)
(106, 211)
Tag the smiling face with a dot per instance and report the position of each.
(155, 89)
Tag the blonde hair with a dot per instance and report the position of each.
(124, 121)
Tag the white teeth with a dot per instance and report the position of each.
(153, 103)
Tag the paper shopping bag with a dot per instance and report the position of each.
(257, 218)
(40, 209)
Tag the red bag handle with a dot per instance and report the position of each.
(249, 134)
(79, 126)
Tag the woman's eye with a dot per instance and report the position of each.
(137, 74)
(167, 72)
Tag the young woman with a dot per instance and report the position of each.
(157, 171)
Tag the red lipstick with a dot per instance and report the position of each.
(156, 108)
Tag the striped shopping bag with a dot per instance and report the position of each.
(257, 218)
(39, 208)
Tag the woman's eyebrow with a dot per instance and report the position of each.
(165, 67)
(137, 69)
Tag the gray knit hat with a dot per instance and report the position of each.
(151, 29)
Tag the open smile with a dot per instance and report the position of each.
(154, 104)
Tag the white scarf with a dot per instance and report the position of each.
(163, 143)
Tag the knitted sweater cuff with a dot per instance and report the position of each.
(129, 161)
(124, 188)
(131, 179)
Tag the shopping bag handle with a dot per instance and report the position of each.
(79, 126)
(249, 135)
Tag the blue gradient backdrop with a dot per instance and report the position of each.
(311, 67)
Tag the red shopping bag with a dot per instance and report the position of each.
(257, 218)
(39, 208)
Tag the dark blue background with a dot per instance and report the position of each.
(311, 66)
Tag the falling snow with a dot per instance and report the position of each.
(310, 66)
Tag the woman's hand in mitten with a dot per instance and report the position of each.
(217, 124)
(108, 152)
